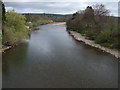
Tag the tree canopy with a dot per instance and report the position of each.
(95, 23)
(14, 28)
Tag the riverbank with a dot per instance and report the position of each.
(60, 24)
(6, 48)
(92, 43)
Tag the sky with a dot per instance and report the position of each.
(57, 6)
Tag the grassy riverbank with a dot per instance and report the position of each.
(96, 24)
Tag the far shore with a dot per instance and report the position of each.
(60, 23)
(81, 38)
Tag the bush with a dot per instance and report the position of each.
(91, 34)
(104, 37)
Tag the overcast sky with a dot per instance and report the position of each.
(57, 7)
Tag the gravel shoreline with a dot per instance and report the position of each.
(81, 38)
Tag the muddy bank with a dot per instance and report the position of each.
(81, 38)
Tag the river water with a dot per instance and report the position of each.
(53, 59)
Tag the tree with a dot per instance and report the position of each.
(14, 28)
(2, 10)
(95, 23)
(100, 10)
(88, 14)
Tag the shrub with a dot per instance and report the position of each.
(91, 34)
(104, 37)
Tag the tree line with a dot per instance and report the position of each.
(34, 20)
(96, 24)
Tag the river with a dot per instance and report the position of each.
(54, 59)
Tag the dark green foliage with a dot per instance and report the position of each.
(2, 18)
(3, 12)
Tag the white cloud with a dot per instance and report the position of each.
(60, 0)
(58, 7)
(9, 8)
(29, 10)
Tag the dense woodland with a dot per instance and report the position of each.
(96, 24)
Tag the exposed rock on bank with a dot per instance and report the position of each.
(79, 37)
(8, 47)
(5, 49)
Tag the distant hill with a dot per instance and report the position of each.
(54, 17)
(47, 14)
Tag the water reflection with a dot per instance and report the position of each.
(53, 59)
(14, 57)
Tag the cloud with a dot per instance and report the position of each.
(119, 9)
(57, 7)
(59, 0)
(30, 10)
(9, 8)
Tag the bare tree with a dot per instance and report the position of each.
(100, 10)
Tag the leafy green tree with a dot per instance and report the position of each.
(14, 28)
